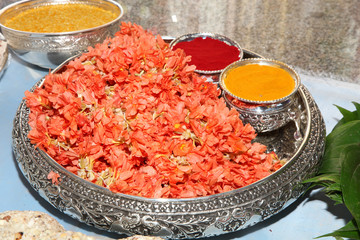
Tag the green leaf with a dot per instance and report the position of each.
(331, 184)
(343, 135)
(350, 230)
(332, 162)
(339, 172)
(336, 197)
(333, 177)
(350, 179)
(348, 115)
(334, 187)
(350, 226)
(357, 106)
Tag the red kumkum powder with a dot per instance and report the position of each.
(209, 54)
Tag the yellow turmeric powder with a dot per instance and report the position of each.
(256, 82)
(60, 18)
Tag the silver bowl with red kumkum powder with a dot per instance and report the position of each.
(264, 92)
(210, 52)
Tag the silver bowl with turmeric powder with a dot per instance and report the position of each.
(264, 92)
(47, 32)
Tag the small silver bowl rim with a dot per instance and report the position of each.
(192, 36)
(57, 2)
(261, 109)
(261, 61)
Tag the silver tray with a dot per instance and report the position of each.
(181, 218)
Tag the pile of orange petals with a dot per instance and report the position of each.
(131, 115)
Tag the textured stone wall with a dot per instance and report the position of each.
(322, 37)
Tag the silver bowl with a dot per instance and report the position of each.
(265, 116)
(260, 61)
(270, 117)
(192, 36)
(179, 218)
(49, 50)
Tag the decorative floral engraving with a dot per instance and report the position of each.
(50, 50)
(58, 42)
(270, 121)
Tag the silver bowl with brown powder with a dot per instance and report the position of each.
(50, 49)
